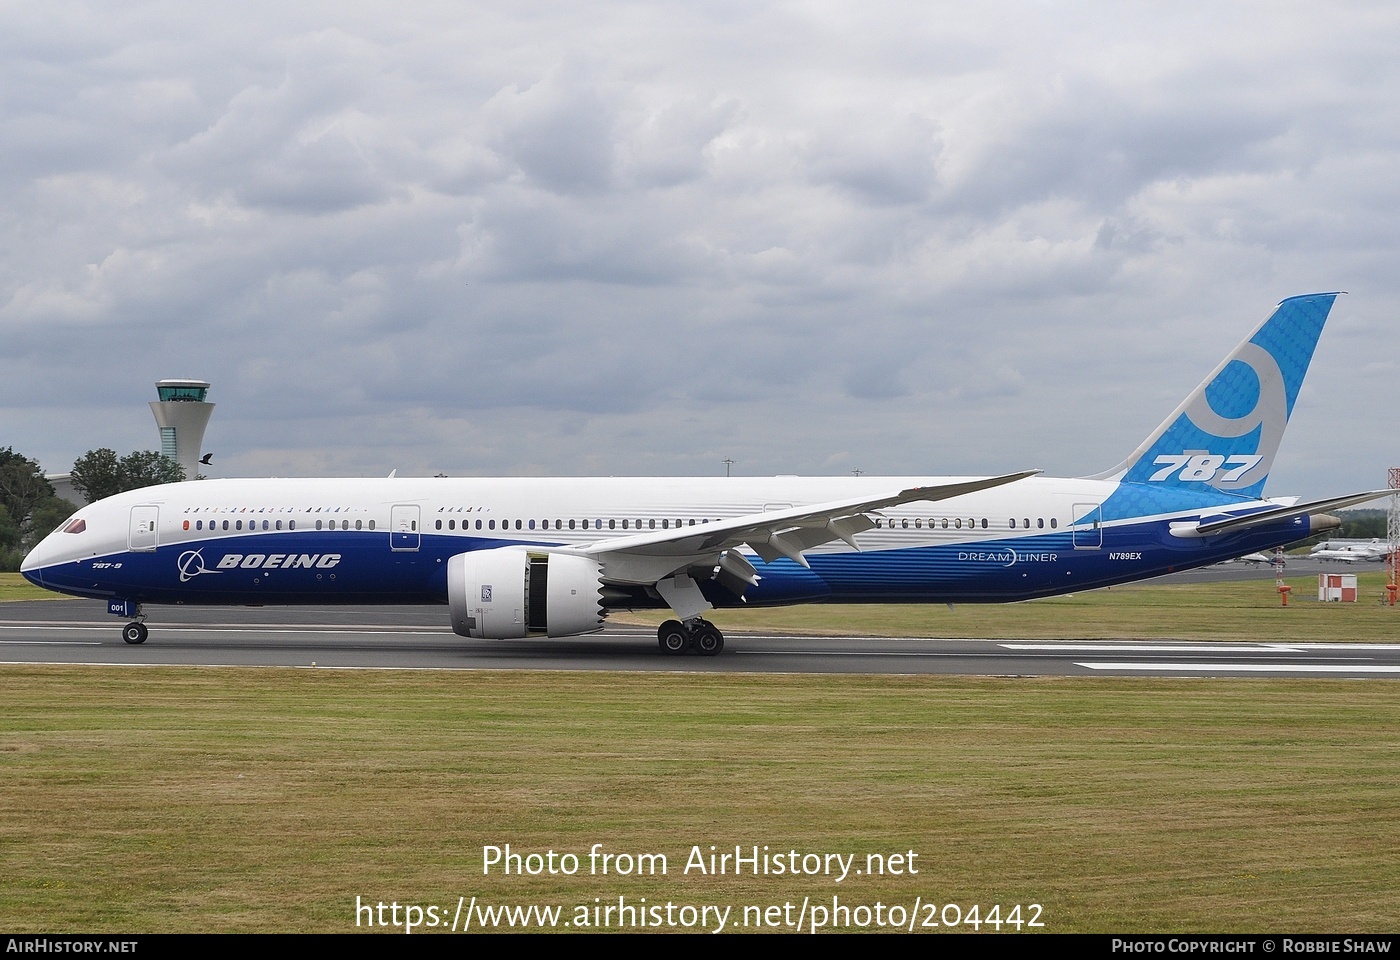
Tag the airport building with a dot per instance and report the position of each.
(182, 413)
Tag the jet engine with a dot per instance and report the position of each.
(513, 592)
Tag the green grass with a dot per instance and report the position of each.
(174, 799)
(13, 586)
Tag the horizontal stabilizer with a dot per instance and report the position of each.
(1215, 528)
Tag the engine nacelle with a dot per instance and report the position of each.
(513, 592)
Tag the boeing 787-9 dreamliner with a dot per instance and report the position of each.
(514, 558)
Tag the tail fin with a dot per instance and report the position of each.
(1225, 434)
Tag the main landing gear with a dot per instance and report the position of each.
(694, 636)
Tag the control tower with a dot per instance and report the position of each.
(182, 414)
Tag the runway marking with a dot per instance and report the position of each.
(223, 628)
(52, 643)
(1162, 647)
(1248, 667)
(226, 666)
(1346, 646)
(861, 653)
(261, 631)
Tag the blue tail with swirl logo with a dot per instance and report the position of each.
(1224, 436)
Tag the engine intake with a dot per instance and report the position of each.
(514, 592)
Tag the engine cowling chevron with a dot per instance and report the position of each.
(514, 592)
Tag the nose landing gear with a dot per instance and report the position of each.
(135, 631)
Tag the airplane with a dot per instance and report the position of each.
(520, 557)
(1254, 559)
(1372, 550)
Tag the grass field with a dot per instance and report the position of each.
(178, 799)
(15, 587)
(185, 799)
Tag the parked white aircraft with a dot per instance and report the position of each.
(1252, 558)
(527, 557)
(1366, 551)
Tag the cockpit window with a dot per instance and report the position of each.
(76, 525)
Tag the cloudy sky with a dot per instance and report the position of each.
(640, 238)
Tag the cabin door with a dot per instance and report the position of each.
(145, 522)
(1088, 526)
(403, 527)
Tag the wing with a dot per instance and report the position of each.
(647, 558)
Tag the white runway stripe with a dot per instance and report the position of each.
(1217, 667)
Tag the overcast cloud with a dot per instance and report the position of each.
(621, 238)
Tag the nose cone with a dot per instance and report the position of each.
(32, 565)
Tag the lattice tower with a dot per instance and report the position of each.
(1393, 528)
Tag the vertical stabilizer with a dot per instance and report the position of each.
(1225, 434)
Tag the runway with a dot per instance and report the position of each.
(418, 638)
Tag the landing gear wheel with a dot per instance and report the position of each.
(672, 638)
(708, 640)
(134, 632)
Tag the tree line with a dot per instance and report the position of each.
(30, 509)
